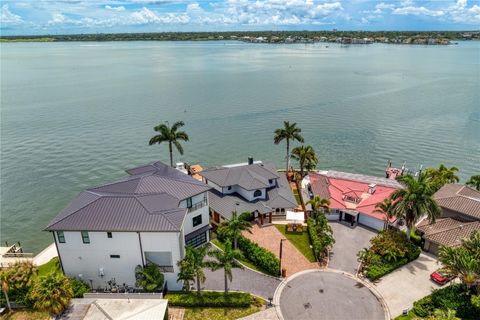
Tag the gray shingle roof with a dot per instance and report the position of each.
(146, 201)
(459, 198)
(249, 177)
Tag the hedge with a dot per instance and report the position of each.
(209, 299)
(314, 238)
(259, 256)
(375, 271)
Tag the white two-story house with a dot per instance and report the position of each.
(255, 187)
(150, 216)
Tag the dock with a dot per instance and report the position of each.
(10, 254)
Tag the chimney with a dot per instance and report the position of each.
(372, 188)
(250, 160)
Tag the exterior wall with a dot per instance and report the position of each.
(371, 222)
(431, 246)
(213, 185)
(203, 211)
(247, 194)
(84, 261)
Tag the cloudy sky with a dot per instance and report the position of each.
(92, 16)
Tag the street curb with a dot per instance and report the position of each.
(375, 292)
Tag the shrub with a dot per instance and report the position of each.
(209, 299)
(415, 238)
(314, 238)
(423, 307)
(52, 293)
(376, 271)
(259, 256)
(149, 277)
(79, 287)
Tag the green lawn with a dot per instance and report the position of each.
(223, 313)
(26, 315)
(243, 261)
(48, 267)
(300, 240)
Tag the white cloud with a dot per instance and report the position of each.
(418, 11)
(364, 20)
(7, 17)
(383, 6)
(119, 8)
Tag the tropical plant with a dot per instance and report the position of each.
(415, 200)
(170, 135)
(233, 228)
(22, 274)
(287, 133)
(386, 208)
(318, 203)
(226, 260)
(439, 314)
(306, 157)
(5, 285)
(464, 260)
(79, 288)
(474, 182)
(186, 275)
(193, 264)
(52, 293)
(149, 277)
(442, 175)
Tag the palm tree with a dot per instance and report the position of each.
(195, 262)
(52, 293)
(474, 182)
(288, 132)
(5, 284)
(226, 260)
(386, 207)
(306, 157)
(441, 176)
(233, 228)
(415, 200)
(186, 274)
(319, 203)
(149, 277)
(170, 135)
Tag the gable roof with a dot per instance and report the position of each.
(145, 201)
(459, 198)
(249, 177)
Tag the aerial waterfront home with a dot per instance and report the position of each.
(148, 216)
(255, 187)
(460, 217)
(353, 196)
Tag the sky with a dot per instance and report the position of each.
(33, 17)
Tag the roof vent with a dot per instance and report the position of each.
(250, 160)
(372, 188)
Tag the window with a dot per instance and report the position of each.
(85, 237)
(109, 235)
(115, 256)
(257, 193)
(197, 220)
(189, 202)
(270, 181)
(61, 237)
(197, 240)
(229, 188)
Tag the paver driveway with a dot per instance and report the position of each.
(269, 238)
(327, 295)
(408, 283)
(348, 241)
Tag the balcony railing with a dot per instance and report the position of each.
(197, 206)
(165, 268)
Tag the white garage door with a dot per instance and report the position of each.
(370, 222)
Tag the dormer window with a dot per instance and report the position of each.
(270, 181)
(257, 193)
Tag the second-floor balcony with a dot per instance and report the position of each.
(197, 205)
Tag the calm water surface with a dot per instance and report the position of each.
(75, 115)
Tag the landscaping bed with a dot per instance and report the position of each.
(209, 299)
(26, 315)
(301, 241)
(321, 235)
(390, 250)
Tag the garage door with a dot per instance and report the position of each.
(370, 222)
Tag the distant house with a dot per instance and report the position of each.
(460, 217)
(148, 216)
(255, 187)
(353, 197)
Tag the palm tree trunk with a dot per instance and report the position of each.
(288, 154)
(171, 154)
(226, 281)
(198, 284)
(409, 231)
(235, 243)
(5, 293)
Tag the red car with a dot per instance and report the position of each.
(441, 276)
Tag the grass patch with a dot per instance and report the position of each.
(301, 241)
(297, 197)
(223, 313)
(242, 261)
(52, 265)
(210, 299)
(26, 315)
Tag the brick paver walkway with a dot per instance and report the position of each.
(269, 238)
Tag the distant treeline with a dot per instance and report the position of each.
(211, 36)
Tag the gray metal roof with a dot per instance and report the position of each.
(249, 177)
(146, 201)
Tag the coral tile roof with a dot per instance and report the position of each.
(336, 186)
(459, 198)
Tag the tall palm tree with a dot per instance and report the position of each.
(5, 285)
(195, 259)
(288, 132)
(386, 208)
(474, 182)
(415, 200)
(442, 175)
(170, 135)
(226, 260)
(52, 293)
(306, 157)
(319, 203)
(233, 228)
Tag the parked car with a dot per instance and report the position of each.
(441, 276)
